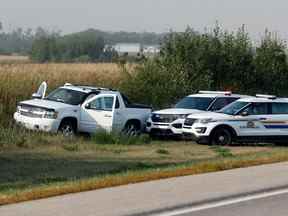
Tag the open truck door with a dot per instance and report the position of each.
(98, 113)
(41, 92)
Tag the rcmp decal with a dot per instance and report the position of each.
(250, 124)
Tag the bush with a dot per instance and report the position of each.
(103, 137)
(15, 136)
(162, 151)
(216, 60)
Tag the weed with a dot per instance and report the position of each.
(71, 147)
(162, 151)
(103, 137)
(221, 151)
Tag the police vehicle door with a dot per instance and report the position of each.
(253, 119)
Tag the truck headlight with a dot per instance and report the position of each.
(51, 114)
(18, 109)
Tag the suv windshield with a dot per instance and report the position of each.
(233, 108)
(200, 103)
(67, 96)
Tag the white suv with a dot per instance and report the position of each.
(169, 122)
(263, 118)
(70, 109)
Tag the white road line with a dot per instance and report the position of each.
(222, 203)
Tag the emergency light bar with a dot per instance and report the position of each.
(266, 96)
(216, 92)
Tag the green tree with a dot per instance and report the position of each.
(271, 65)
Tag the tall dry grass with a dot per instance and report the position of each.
(18, 81)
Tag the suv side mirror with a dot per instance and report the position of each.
(36, 96)
(244, 113)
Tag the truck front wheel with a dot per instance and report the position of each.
(67, 129)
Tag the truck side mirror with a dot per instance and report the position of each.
(88, 106)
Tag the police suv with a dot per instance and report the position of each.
(263, 118)
(169, 122)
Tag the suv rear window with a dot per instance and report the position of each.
(258, 109)
(279, 108)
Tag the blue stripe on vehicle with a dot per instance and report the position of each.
(276, 126)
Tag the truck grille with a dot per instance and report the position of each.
(31, 114)
(31, 111)
(189, 121)
(162, 118)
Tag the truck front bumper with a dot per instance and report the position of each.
(37, 124)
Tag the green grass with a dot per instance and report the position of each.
(222, 151)
(36, 165)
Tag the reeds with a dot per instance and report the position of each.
(19, 80)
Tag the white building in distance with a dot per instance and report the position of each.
(136, 49)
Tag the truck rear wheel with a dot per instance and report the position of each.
(132, 128)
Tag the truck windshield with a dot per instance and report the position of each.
(200, 103)
(67, 96)
(233, 108)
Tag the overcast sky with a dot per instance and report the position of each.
(146, 15)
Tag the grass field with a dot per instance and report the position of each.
(13, 59)
(33, 170)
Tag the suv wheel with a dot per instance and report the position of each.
(221, 136)
(67, 129)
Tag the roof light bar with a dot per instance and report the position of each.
(216, 92)
(266, 96)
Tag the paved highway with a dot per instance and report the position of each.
(161, 196)
(270, 206)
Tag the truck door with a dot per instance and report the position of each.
(120, 116)
(97, 113)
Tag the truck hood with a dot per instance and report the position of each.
(177, 111)
(46, 104)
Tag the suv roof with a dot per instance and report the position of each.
(215, 94)
(264, 99)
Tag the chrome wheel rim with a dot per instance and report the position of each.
(67, 131)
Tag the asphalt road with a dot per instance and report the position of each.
(270, 206)
(162, 195)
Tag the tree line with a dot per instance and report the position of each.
(215, 60)
(90, 45)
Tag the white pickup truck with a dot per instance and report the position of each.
(70, 109)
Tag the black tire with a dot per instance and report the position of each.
(132, 128)
(67, 129)
(221, 136)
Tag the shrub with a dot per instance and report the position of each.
(103, 137)
(216, 60)
(162, 151)
(221, 151)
